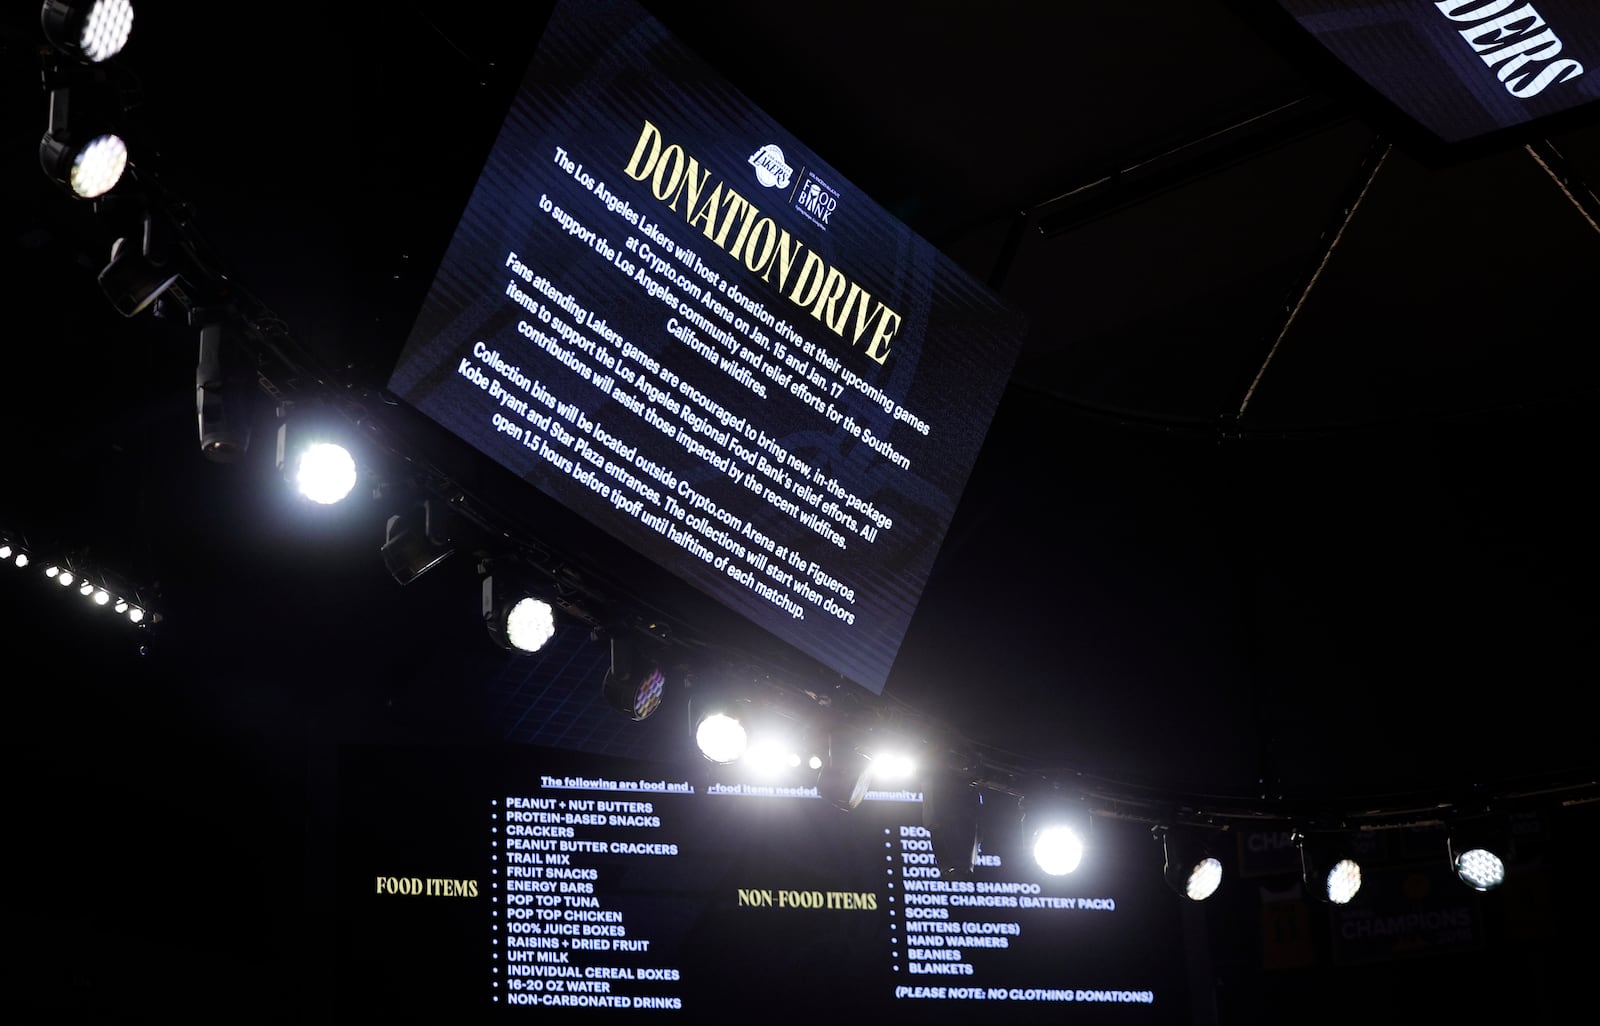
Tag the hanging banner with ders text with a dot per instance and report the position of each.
(665, 312)
(1463, 69)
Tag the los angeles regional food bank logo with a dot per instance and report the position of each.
(815, 199)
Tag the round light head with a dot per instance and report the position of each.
(326, 474)
(95, 30)
(1342, 881)
(721, 738)
(98, 166)
(1204, 879)
(5, 552)
(530, 623)
(1058, 850)
(636, 694)
(1480, 868)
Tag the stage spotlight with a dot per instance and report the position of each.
(136, 614)
(21, 559)
(635, 683)
(222, 395)
(1328, 868)
(1191, 869)
(86, 589)
(92, 30)
(417, 540)
(1057, 831)
(5, 551)
(81, 149)
(1479, 849)
(137, 275)
(518, 618)
(950, 804)
(768, 756)
(721, 737)
(314, 462)
(846, 772)
(892, 766)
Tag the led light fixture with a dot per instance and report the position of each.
(1328, 867)
(1479, 848)
(518, 617)
(635, 683)
(1056, 830)
(90, 30)
(1190, 869)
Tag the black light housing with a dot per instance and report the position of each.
(82, 150)
(417, 540)
(139, 271)
(1480, 848)
(1328, 867)
(1191, 867)
(222, 396)
(950, 815)
(846, 772)
(636, 681)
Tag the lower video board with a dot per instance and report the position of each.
(516, 883)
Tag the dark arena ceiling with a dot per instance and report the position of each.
(1288, 506)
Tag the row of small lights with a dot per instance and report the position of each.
(98, 594)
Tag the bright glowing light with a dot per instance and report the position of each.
(101, 596)
(815, 762)
(893, 766)
(721, 738)
(1480, 869)
(1204, 879)
(98, 166)
(1058, 850)
(86, 589)
(767, 756)
(327, 473)
(51, 571)
(1343, 881)
(106, 30)
(530, 623)
(22, 559)
(135, 614)
(64, 578)
(121, 606)
(5, 552)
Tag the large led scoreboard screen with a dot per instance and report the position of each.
(1465, 69)
(668, 314)
(520, 884)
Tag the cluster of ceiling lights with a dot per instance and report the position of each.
(772, 742)
(83, 149)
(90, 584)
